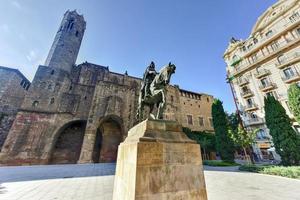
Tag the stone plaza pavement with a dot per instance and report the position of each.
(95, 181)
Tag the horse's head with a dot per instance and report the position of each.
(166, 73)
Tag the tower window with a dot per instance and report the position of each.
(35, 104)
(52, 101)
(201, 121)
(190, 119)
(52, 72)
(70, 24)
(77, 34)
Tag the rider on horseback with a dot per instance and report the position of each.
(149, 75)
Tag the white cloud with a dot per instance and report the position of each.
(16, 4)
(31, 56)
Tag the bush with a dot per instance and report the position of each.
(219, 163)
(290, 172)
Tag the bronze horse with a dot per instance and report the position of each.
(157, 93)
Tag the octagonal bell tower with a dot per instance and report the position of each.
(66, 45)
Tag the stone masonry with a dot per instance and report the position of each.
(84, 106)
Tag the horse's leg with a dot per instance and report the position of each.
(161, 106)
(151, 110)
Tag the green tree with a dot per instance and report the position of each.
(243, 139)
(224, 144)
(206, 140)
(233, 121)
(285, 139)
(294, 100)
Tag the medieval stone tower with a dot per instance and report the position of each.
(65, 47)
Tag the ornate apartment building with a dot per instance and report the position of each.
(266, 63)
(78, 113)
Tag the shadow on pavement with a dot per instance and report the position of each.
(224, 169)
(42, 172)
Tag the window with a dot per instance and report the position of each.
(288, 72)
(294, 17)
(190, 119)
(253, 116)
(245, 89)
(261, 134)
(281, 59)
(70, 24)
(52, 72)
(255, 40)
(172, 98)
(22, 83)
(52, 101)
(268, 94)
(207, 99)
(298, 31)
(269, 33)
(249, 46)
(274, 45)
(210, 122)
(35, 104)
(235, 58)
(249, 102)
(201, 121)
(264, 82)
(254, 57)
(244, 48)
(77, 34)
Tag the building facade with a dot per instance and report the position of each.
(266, 63)
(80, 113)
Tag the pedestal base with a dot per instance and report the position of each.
(157, 161)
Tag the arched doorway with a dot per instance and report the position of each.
(67, 147)
(108, 138)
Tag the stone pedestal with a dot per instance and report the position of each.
(157, 161)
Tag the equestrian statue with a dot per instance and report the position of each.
(153, 90)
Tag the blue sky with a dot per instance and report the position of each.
(127, 35)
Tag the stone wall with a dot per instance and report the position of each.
(13, 87)
(196, 106)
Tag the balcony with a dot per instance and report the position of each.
(291, 78)
(262, 73)
(288, 60)
(275, 34)
(251, 107)
(254, 121)
(266, 87)
(247, 94)
(260, 59)
(243, 82)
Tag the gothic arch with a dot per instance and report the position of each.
(110, 133)
(67, 143)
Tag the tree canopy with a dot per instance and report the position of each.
(285, 139)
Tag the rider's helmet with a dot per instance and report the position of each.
(152, 66)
